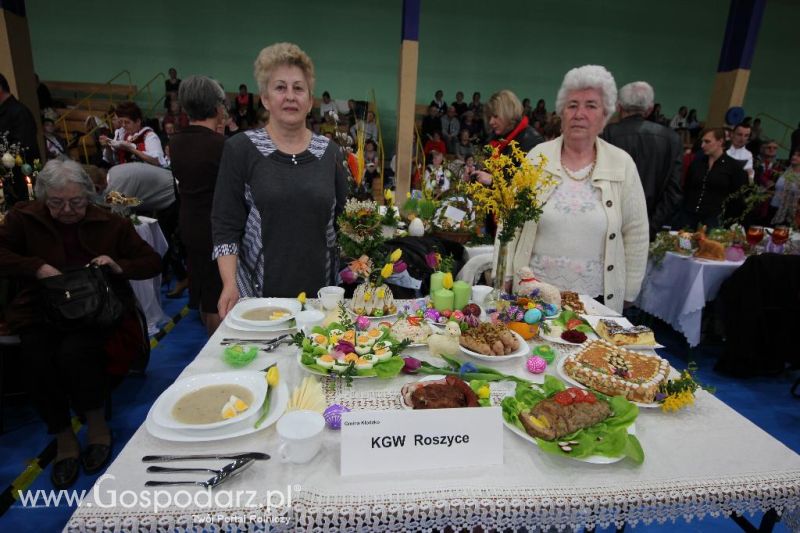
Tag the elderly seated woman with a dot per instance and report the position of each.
(62, 230)
(592, 237)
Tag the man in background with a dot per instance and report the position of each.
(18, 121)
(655, 149)
(738, 151)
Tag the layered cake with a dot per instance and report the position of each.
(615, 371)
(619, 335)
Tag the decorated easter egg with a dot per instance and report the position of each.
(333, 415)
(432, 314)
(532, 316)
(27, 170)
(416, 228)
(550, 310)
(545, 352)
(536, 365)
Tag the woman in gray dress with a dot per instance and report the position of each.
(279, 191)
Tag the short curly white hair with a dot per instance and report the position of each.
(589, 77)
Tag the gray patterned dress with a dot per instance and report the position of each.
(277, 213)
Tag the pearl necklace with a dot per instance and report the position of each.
(587, 176)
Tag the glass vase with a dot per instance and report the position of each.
(500, 274)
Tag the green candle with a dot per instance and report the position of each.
(462, 291)
(443, 299)
(436, 282)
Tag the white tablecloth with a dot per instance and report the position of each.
(702, 461)
(677, 291)
(148, 291)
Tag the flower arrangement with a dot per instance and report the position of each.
(679, 393)
(513, 196)
(363, 268)
(374, 297)
(13, 155)
(358, 228)
(390, 216)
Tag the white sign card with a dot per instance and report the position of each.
(455, 214)
(377, 442)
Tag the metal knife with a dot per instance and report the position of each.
(256, 456)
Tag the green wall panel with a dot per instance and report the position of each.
(467, 45)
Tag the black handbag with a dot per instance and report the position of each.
(81, 298)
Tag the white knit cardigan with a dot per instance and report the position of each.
(627, 230)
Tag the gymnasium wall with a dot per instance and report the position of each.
(467, 45)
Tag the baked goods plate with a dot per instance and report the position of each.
(523, 350)
(572, 381)
(624, 322)
(593, 307)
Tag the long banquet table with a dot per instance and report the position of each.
(706, 460)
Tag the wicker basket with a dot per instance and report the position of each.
(461, 237)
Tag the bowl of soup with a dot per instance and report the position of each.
(206, 401)
(265, 312)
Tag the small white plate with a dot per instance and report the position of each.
(278, 403)
(234, 324)
(593, 459)
(251, 380)
(593, 307)
(247, 304)
(572, 381)
(426, 378)
(593, 320)
(523, 350)
(555, 336)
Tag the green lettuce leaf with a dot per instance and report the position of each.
(389, 368)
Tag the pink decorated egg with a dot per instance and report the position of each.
(536, 365)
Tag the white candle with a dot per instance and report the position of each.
(30, 187)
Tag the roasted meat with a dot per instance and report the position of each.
(440, 394)
(550, 420)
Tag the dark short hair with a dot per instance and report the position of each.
(4, 84)
(46, 120)
(326, 93)
(719, 133)
(743, 125)
(129, 110)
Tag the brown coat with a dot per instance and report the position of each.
(29, 239)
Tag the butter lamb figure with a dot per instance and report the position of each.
(446, 342)
(526, 283)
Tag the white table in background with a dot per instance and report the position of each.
(704, 460)
(148, 291)
(677, 291)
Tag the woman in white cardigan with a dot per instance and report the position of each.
(592, 237)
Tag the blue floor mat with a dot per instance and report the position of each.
(767, 402)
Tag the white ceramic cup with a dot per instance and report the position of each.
(330, 296)
(479, 293)
(301, 436)
(306, 320)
